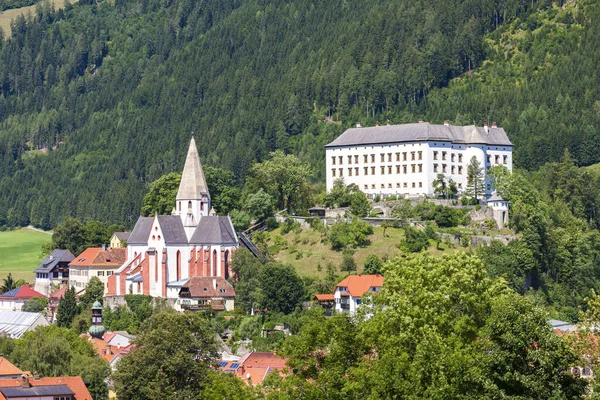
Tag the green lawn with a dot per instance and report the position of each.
(20, 253)
(306, 250)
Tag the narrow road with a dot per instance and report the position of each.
(39, 230)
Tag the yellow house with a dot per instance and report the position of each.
(119, 239)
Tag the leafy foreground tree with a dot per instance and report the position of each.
(35, 304)
(53, 351)
(441, 329)
(373, 265)
(173, 360)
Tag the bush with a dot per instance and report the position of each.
(348, 264)
(373, 265)
(289, 225)
(353, 235)
(271, 223)
(414, 241)
(377, 199)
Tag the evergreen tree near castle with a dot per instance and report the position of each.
(475, 180)
(67, 309)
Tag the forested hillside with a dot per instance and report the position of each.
(99, 99)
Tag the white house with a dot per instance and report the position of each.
(405, 159)
(348, 294)
(14, 299)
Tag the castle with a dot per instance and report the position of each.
(165, 251)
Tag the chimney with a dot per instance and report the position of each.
(421, 121)
(377, 123)
(25, 380)
(485, 127)
(494, 125)
(358, 125)
(388, 123)
(103, 248)
(446, 123)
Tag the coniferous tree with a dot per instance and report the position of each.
(67, 309)
(475, 179)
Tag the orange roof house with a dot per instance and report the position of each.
(8, 370)
(254, 367)
(25, 387)
(101, 262)
(349, 292)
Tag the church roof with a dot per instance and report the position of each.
(419, 132)
(141, 231)
(193, 184)
(172, 229)
(214, 230)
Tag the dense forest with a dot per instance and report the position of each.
(99, 99)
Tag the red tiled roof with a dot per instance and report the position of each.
(203, 286)
(57, 294)
(94, 256)
(21, 293)
(264, 359)
(8, 368)
(358, 285)
(75, 383)
(324, 297)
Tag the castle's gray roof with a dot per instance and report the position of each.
(214, 230)
(495, 197)
(193, 184)
(141, 231)
(172, 229)
(420, 132)
(53, 259)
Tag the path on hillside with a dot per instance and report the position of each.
(39, 230)
(8, 15)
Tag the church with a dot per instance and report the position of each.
(165, 251)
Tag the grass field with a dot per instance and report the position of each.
(306, 250)
(20, 253)
(9, 15)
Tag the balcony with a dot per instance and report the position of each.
(345, 306)
(217, 305)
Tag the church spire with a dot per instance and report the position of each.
(193, 184)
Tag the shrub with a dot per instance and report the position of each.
(373, 265)
(289, 225)
(271, 223)
(348, 264)
(377, 199)
(343, 235)
(414, 240)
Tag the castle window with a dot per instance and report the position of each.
(382, 157)
(397, 169)
(372, 170)
(460, 169)
(420, 155)
(349, 159)
(413, 185)
(443, 168)
(333, 172)
(435, 168)
(460, 158)
(356, 171)
(382, 170)
(365, 158)
(435, 155)
(405, 184)
(413, 168)
(452, 156)
(366, 187)
(383, 186)
(341, 171)
(412, 155)
(443, 155)
(366, 170)
(452, 169)
(341, 160)
(389, 157)
(373, 186)
(355, 159)
(420, 167)
(404, 156)
(333, 160)
(349, 171)
(389, 169)
(372, 158)
(505, 159)
(397, 156)
(404, 169)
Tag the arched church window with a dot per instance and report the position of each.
(227, 264)
(178, 265)
(214, 260)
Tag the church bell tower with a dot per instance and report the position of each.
(193, 200)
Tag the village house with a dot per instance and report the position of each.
(27, 387)
(348, 294)
(207, 293)
(15, 323)
(14, 299)
(165, 251)
(404, 160)
(119, 239)
(254, 367)
(95, 261)
(53, 271)
(8, 370)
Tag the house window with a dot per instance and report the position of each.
(333, 160)
(366, 187)
(333, 172)
(489, 159)
(452, 157)
(100, 273)
(405, 184)
(373, 186)
(460, 169)
(435, 155)
(109, 273)
(382, 186)
(505, 159)
(382, 157)
(397, 156)
(460, 158)
(443, 168)
(452, 169)
(372, 170)
(366, 170)
(398, 184)
(460, 185)
(435, 168)
(349, 159)
(413, 185)
(420, 184)
(443, 155)
(420, 155)
(389, 185)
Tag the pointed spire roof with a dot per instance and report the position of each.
(193, 184)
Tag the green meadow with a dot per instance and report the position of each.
(20, 252)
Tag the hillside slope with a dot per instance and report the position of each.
(99, 99)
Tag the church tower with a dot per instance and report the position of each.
(193, 200)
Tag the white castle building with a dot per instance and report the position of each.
(165, 251)
(405, 159)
